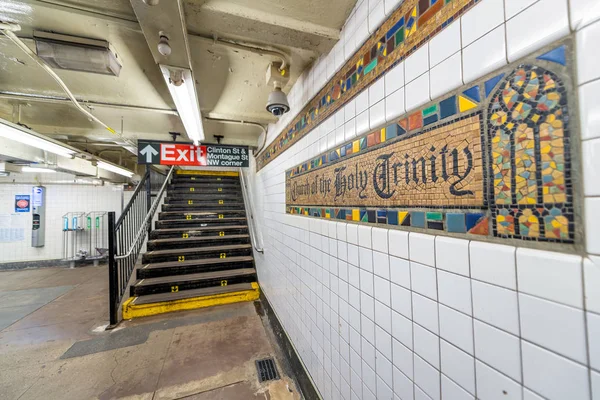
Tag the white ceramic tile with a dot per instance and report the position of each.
(400, 271)
(458, 366)
(451, 391)
(401, 300)
(339, 118)
(384, 391)
(427, 377)
(498, 349)
(368, 352)
(362, 123)
(403, 386)
(426, 345)
(416, 92)
(420, 394)
(587, 58)
(494, 264)
(383, 316)
(553, 326)
(494, 386)
(390, 5)
(369, 377)
(452, 255)
(583, 13)
(456, 328)
(365, 258)
(595, 385)
(349, 130)
(481, 19)
(445, 43)
(367, 325)
(402, 329)
(403, 358)
(593, 330)
(592, 228)
(589, 111)
(342, 250)
(362, 33)
(553, 376)
(398, 241)
(376, 91)
(422, 248)
(525, 37)
(446, 76)
(423, 280)
(339, 135)
(376, 17)
(365, 236)
(362, 102)
(380, 239)
(485, 55)
(496, 306)
(349, 110)
(383, 342)
(591, 272)
(382, 290)
(394, 79)
(394, 105)
(366, 282)
(425, 312)
(353, 254)
(454, 291)
(351, 233)
(529, 395)
(377, 115)
(554, 276)
(513, 7)
(381, 264)
(417, 63)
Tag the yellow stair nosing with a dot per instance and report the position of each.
(131, 310)
(204, 172)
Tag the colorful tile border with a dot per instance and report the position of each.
(527, 174)
(409, 27)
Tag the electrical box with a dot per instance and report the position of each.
(38, 202)
(277, 77)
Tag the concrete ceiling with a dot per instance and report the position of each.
(230, 81)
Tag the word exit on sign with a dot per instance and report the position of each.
(209, 155)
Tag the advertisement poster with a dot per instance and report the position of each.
(22, 203)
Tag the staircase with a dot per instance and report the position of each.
(200, 252)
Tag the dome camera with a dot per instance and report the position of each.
(277, 103)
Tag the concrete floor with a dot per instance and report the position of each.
(53, 345)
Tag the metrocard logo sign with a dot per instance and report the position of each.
(186, 154)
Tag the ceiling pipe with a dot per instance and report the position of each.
(9, 30)
(239, 122)
(62, 100)
(285, 63)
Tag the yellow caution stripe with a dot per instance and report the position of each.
(204, 172)
(132, 310)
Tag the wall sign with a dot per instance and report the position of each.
(186, 154)
(493, 158)
(22, 203)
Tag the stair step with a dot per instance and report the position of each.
(164, 215)
(164, 244)
(196, 253)
(167, 233)
(209, 291)
(204, 196)
(203, 202)
(180, 283)
(185, 178)
(200, 222)
(204, 185)
(193, 207)
(173, 268)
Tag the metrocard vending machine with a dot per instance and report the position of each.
(38, 232)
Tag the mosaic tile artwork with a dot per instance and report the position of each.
(490, 159)
(409, 27)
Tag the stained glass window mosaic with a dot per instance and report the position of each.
(490, 159)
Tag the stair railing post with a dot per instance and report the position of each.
(113, 273)
(149, 194)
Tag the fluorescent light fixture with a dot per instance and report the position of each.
(38, 169)
(76, 53)
(113, 168)
(182, 86)
(19, 134)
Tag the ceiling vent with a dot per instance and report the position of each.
(76, 53)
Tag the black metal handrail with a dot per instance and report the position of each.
(126, 237)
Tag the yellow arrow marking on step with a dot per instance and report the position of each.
(223, 283)
(188, 217)
(221, 233)
(190, 201)
(220, 216)
(185, 236)
(174, 289)
(220, 189)
(192, 189)
(181, 258)
(221, 202)
(223, 255)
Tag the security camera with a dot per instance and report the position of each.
(277, 103)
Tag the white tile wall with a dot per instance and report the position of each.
(527, 337)
(60, 199)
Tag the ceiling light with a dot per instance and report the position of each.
(76, 53)
(151, 2)
(19, 134)
(182, 86)
(163, 45)
(113, 168)
(37, 169)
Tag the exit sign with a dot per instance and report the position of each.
(187, 154)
